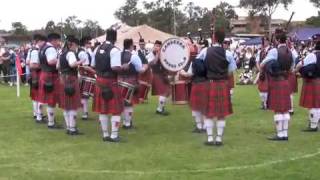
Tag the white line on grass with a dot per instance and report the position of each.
(182, 171)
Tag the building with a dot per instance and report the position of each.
(254, 25)
(14, 40)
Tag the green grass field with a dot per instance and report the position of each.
(160, 147)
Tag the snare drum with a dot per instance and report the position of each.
(127, 91)
(180, 92)
(87, 82)
(87, 86)
(144, 89)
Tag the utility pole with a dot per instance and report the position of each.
(174, 18)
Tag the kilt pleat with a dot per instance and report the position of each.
(293, 82)
(69, 102)
(160, 85)
(279, 95)
(113, 106)
(46, 97)
(199, 96)
(310, 93)
(219, 99)
(34, 92)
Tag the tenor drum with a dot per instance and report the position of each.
(87, 82)
(180, 92)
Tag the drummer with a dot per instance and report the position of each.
(226, 46)
(84, 54)
(160, 81)
(130, 76)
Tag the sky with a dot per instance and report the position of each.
(36, 16)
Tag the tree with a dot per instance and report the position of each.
(91, 28)
(314, 20)
(266, 7)
(223, 13)
(50, 27)
(130, 14)
(316, 3)
(19, 29)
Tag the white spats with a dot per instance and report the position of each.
(314, 117)
(291, 100)
(35, 108)
(66, 119)
(279, 124)
(50, 111)
(198, 119)
(72, 120)
(162, 103)
(127, 115)
(221, 124)
(285, 125)
(104, 124)
(264, 98)
(85, 103)
(115, 124)
(209, 126)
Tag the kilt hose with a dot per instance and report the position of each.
(113, 106)
(231, 81)
(133, 80)
(199, 96)
(67, 102)
(293, 80)
(34, 92)
(279, 95)
(219, 99)
(49, 98)
(160, 85)
(310, 93)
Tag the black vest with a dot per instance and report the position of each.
(142, 57)
(312, 70)
(64, 65)
(125, 58)
(89, 56)
(285, 58)
(216, 63)
(45, 67)
(103, 59)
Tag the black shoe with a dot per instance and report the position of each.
(75, 133)
(291, 113)
(209, 143)
(276, 138)
(115, 140)
(218, 143)
(34, 117)
(40, 122)
(203, 131)
(68, 132)
(85, 117)
(285, 139)
(196, 130)
(163, 113)
(55, 126)
(127, 127)
(309, 129)
(106, 138)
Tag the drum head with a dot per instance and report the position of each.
(174, 54)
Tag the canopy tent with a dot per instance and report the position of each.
(149, 34)
(253, 41)
(303, 34)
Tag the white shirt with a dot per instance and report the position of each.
(150, 57)
(34, 57)
(71, 58)
(311, 58)
(273, 55)
(83, 55)
(229, 57)
(136, 62)
(51, 53)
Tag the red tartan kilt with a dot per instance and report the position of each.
(279, 96)
(114, 106)
(293, 80)
(69, 102)
(144, 89)
(34, 93)
(199, 96)
(124, 90)
(160, 85)
(231, 81)
(219, 99)
(310, 93)
(263, 85)
(49, 98)
(86, 87)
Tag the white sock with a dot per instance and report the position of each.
(279, 124)
(115, 124)
(198, 119)
(286, 119)
(221, 123)
(291, 100)
(50, 111)
(128, 111)
(104, 124)
(34, 107)
(314, 118)
(264, 97)
(209, 126)
(162, 102)
(231, 93)
(39, 111)
(66, 119)
(85, 103)
(73, 120)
